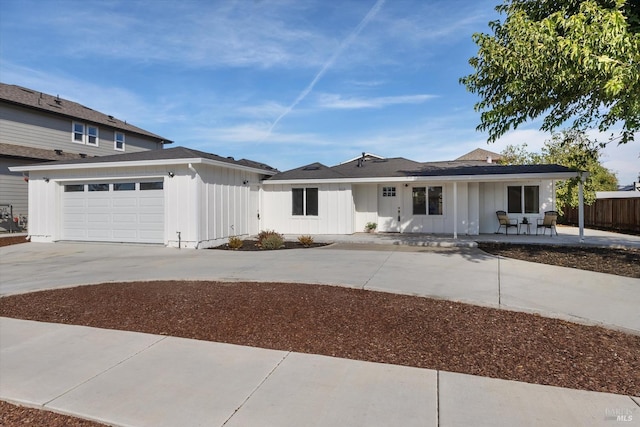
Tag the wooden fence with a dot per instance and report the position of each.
(609, 214)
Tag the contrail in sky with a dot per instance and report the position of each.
(374, 10)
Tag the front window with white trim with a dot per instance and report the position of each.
(92, 135)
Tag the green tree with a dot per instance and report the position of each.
(564, 60)
(573, 149)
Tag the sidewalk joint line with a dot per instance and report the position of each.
(257, 388)
(634, 401)
(104, 371)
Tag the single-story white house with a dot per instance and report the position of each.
(181, 197)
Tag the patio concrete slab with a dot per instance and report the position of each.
(39, 362)
(470, 400)
(311, 390)
(176, 382)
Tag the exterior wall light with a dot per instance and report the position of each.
(171, 174)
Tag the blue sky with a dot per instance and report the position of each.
(285, 82)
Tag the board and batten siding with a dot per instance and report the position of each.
(493, 197)
(226, 200)
(365, 200)
(335, 210)
(29, 128)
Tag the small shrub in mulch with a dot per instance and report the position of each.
(252, 245)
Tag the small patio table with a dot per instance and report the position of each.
(525, 224)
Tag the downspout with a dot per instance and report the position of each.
(455, 209)
(581, 208)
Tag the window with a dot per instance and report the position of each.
(98, 187)
(419, 201)
(304, 201)
(92, 135)
(84, 134)
(78, 133)
(435, 200)
(118, 143)
(158, 185)
(388, 191)
(124, 186)
(523, 199)
(73, 188)
(422, 195)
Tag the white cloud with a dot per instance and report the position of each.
(335, 101)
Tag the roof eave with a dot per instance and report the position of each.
(139, 163)
(435, 178)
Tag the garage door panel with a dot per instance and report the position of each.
(114, 216)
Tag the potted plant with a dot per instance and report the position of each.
(370, 227)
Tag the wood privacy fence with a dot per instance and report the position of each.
(610, 214)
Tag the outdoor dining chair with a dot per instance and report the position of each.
(548, 222)
(506, 222)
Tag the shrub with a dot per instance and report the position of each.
(272, 241)
(265, 234)
(235, 243)
(305, 241)
(371, 226)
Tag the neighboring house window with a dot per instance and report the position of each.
(92, 135)
(419, 201)
(435, 200)
(85, 134)
(523, 199)
(422, 195)
(388, 191)
(304, 201)
(118, 143)
(78, 133)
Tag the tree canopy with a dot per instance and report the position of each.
(572, 149)
(568, 61)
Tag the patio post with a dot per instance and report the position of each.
(581, 208)
(455, 209)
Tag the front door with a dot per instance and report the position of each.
(389, 208)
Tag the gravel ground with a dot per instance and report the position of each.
(359, 324)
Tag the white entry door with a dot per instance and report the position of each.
(114, 212)
(389, 208)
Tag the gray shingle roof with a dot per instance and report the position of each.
(401, 167)
(165, 154)
(53, 104)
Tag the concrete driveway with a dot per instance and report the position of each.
(460, 274)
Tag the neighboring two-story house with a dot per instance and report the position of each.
(37, 127)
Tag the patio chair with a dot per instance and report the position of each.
(504, 221)
(548, 222)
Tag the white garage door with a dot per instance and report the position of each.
(114, 212)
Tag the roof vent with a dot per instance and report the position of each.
(230, 158)
(58, 152)
(58, 100)
(311, 168)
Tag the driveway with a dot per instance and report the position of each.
(461, 274)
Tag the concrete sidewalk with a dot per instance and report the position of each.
(133, 379)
